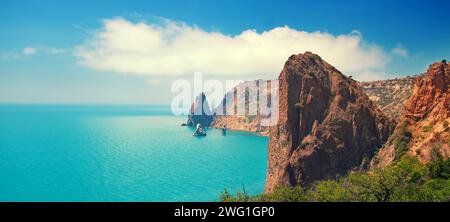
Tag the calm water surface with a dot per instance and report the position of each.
(118, 153)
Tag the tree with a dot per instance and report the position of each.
(407, 180)
(330, 191)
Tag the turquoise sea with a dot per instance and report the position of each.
(121, 153)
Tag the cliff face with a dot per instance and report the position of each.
(390, 94)
(200, 112)
(424, 124)
(245, 96)
(327, 124)
(431, 96)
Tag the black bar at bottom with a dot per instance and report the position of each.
(227, 211)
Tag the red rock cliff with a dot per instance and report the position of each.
(425, 118)
(431, 96)
(327, 125)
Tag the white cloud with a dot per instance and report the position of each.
(399, 50)
(175, 48)
(28, 51)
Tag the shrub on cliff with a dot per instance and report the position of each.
(427, 129)
(445, 124)
(284, 194)
(329, 191)
(280, 194)
(226, 196)
(408, 180)
(401, 141)
(440, 168)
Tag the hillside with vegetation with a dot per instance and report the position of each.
(407, 180)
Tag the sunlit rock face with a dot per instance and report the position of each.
(425, 117)
(327, 124)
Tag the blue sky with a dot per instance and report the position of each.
(40, 42)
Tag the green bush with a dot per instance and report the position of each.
(445, 123)
(284, 194)
(401, 141)
(329, 191)
(427, 128)
(407, 180)
(401, 147)
(440, 168)
(225, 196)
(440, 189)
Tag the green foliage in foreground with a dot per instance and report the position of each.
(408, 180)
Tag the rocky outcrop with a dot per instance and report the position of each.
(244, 95)
(327, 124)
(431, 96)
(200, 112)
(390, 94)
(424, 124)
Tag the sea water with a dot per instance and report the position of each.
(121, 153)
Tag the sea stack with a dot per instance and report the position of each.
(327, 125)
(200, 112)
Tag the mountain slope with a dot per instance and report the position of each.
(424, 125)
(390, 94)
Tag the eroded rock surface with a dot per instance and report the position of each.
(424, 124)
(327, 124)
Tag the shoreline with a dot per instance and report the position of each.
(261, 134)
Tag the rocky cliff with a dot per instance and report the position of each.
(327, 124)
(390, 94)
(200, 112)
(245, 95)
(424, 124)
